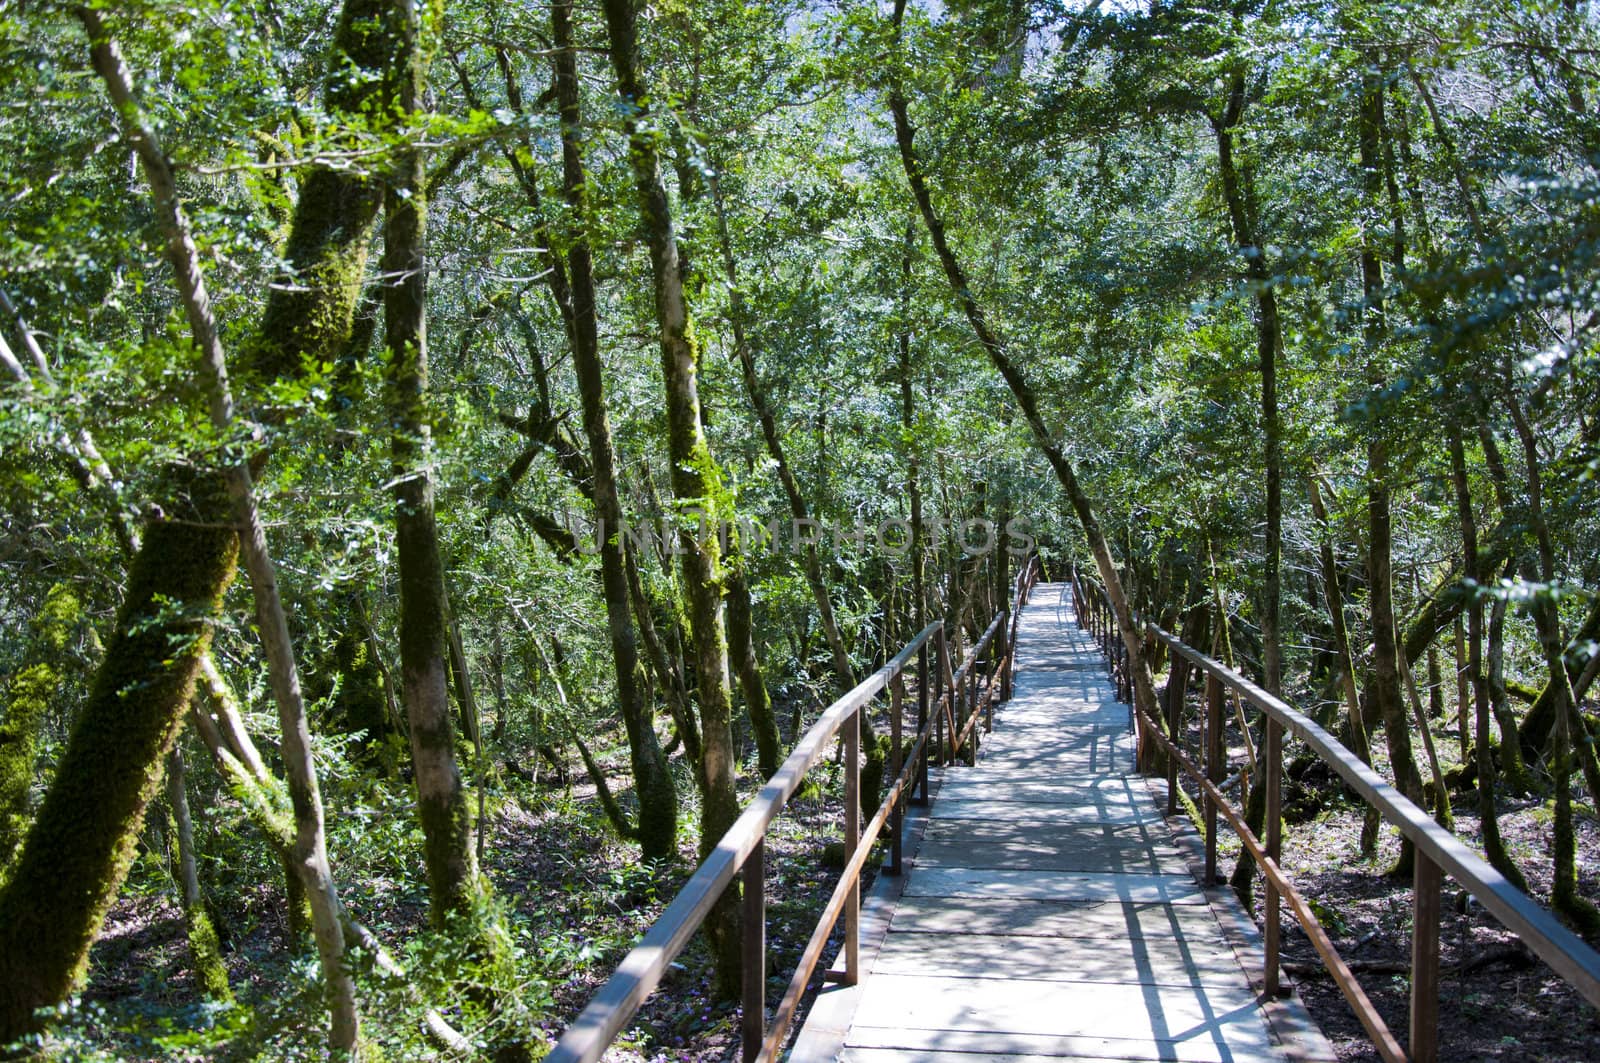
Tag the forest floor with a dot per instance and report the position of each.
(575, 893)
(578, 899)
(1496, 1001)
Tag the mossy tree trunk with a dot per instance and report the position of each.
(1241, 198)
(311, 311)
(742, 647)
(1536, 725)
(1385, 685)
(696, 482)
(27, 698)
(309, 848)
(1488, 818)
(574, 290)
(205, 950)
(83, 839)
(1564, 895)
(1355, 724)
(424, 611)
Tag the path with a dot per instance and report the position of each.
(1049, 911)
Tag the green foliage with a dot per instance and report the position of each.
(1074, 158)
(29, 694)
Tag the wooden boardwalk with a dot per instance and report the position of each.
(1049, 911)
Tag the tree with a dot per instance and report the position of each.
(695, 478)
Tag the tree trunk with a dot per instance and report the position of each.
(309, 850)
(658, 795)
(1464, 672)
(1356, 724)
(741, 644)
(311, 308)
(1441, 799)
(83, 838)
(1380, 575)
(696, 483)
(1564, 895)
(424, 639)
(1512, 766)
(27, 699)
(1435, 684)
(1268, 339)
(908, 425)
(1535, 726)
(1488, 818)
(668, 665)
(205, 950)
(236, 759)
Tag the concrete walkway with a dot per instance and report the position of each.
(1049, 911)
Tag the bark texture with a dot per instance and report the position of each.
(424, 609)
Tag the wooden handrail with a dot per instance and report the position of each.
(1436, 850)
(742, 849)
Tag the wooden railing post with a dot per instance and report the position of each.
(1107, 647)
(996, 675)
(1214, 767)
(923, 693)
(1010, 660)
(1174, 701)
(1425, 961)
(753, 1020)
(972, 709)
(943, 688)
(1274, 845)
(897, 693)
(852, 837)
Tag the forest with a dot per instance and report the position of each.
(449, 453)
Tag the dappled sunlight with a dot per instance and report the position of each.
(1049, 911)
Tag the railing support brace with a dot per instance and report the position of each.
(1174, 693)
(923, 691)
(972, 709)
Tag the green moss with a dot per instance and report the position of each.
(58, 619)
(311, 310)
(349, 679)
(27, 701)
(80, 846)
(25, 707)
(205, 949)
